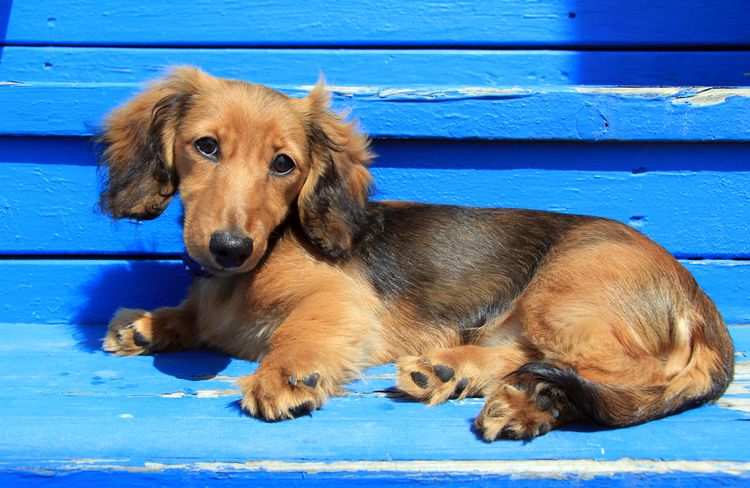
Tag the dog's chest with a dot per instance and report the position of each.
(228, 320)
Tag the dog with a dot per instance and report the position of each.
(551, 317)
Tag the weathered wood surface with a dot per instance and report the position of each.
(384, 67)
(174, 417)
(587, 114)
(567, 23)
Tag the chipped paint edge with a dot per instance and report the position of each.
(429, 94)
(694, 96)
(516, 468)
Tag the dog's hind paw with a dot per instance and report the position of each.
(433, 379)
(523, 410)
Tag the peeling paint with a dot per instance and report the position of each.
(213, 377)
(517, 468)
(711, 96)
(425, 94)
(637, 91)
(741, 404)
(201, 394)
(98, 461)
(695, 96)
(741, 383)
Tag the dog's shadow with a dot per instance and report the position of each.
(147, 284)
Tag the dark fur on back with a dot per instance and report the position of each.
(459, 266)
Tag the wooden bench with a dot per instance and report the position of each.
(564, 105)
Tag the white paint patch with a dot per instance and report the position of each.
(741, 383)
(222, 378)
(98, 461)
(126, 416)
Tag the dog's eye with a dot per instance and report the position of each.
(282, 165)
(208, 147)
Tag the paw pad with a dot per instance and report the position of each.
(311, 380)
(420, 379)
(140, 340)
(444, 373)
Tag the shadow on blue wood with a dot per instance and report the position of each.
(5, 7)
(136, 284)
(637, 158)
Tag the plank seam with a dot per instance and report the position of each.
(402, 46)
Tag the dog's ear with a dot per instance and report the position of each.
(137, 147)
(332, 202)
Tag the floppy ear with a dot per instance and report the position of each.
(332, 203)
(138, 145)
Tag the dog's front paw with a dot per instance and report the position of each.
(277, 393)
(130, 333)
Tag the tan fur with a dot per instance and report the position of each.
(603, 300)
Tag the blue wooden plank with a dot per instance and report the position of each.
(131, 431)
(231, 477)
(371, 22)
(690, 198)
(89, 291)
(88, 413)
(381, 67)
(539, 113)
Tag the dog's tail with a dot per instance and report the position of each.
(705, 377)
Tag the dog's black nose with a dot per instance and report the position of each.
(230, 249)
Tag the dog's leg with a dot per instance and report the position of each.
(133, 332)
(323, 343)
(458, 372)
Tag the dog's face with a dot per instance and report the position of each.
(243, 157)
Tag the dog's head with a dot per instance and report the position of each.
(242, 157)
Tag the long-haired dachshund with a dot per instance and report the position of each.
(551, 317)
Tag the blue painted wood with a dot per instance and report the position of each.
(384, 67)
(263, 479)
(680, 195)
(80, 413)
(378, 23)
(538, 113)
(90, 290)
